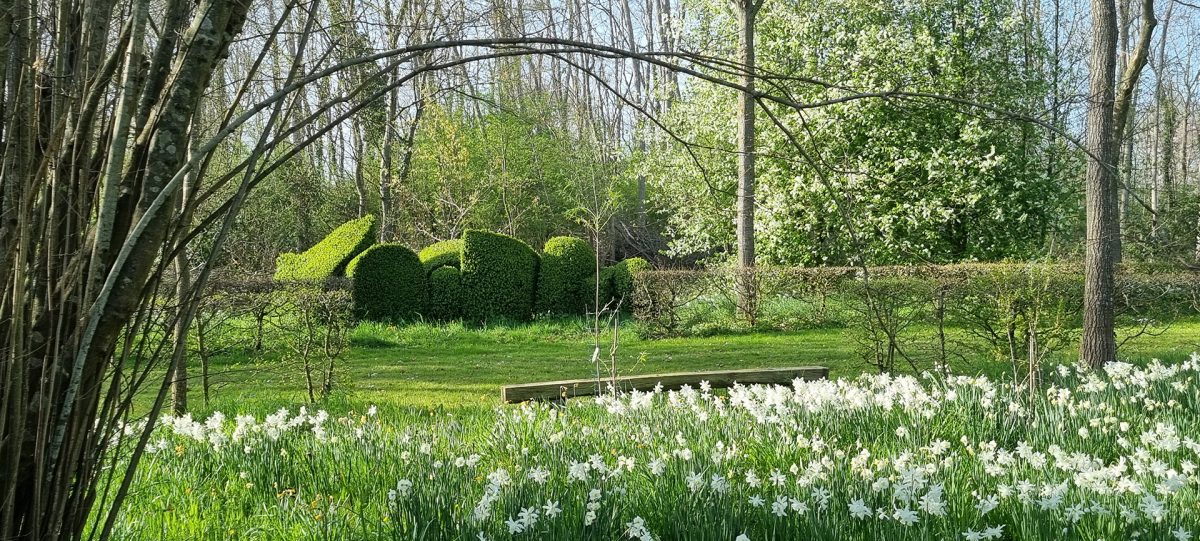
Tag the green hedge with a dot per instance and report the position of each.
(329, 257)
(388, 283)
(446, 253)
(567, 265)
(616, 283)
(499, 276)
(622, 276)
(445, 294)
(289, 266)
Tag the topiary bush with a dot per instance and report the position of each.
(445, 294)
(446, 253)
(622, 276)
(288, 266)
(616, 283)
(567, 265)
(499, 276)
(329, 257)
(388, 283)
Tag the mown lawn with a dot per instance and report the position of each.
(453, 366)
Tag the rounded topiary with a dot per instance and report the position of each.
(623, 273)
(617, 281)
(567, 264)
(445, 294)
(329, 257)
(499, 276)
(446, 253)
(388, 283)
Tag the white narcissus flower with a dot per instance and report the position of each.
(907, 517)
(742, 537)
(780, 506)
(1181, 534)
(859, 509)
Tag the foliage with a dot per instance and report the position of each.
(388, 283)
(499, 277)
(445, 294)
(567, 264)
(441, 254)
(617, 281)
(517, 170)
(892, 180)
(884, 457)
(329, 257)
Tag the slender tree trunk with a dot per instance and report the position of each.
(747, 12)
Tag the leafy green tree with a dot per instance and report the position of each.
(921, 179)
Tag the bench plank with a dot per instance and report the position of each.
(719, 379)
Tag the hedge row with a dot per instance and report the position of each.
(480, 277)
(329, 257)
(388, 283)
(975, 297)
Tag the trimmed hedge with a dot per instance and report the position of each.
(567, 264)
(388, 283)
(288, 266)
(447, 253)
(499, 276)
(623, 274)
(329, 257)
(617, 283)
(445, 294)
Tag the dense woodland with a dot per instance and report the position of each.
(147, 146)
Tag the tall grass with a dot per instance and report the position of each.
(1108, 455)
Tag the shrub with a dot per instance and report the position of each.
(567, 264)
(329, 257)
(622, 275)
(446, 253)
(445, 294)
(288, 266)
(388, 283)
(499, 276)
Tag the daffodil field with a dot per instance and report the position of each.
(1110, 454)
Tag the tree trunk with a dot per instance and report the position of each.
(1099, 341)
(747, 12)
(1109, 109)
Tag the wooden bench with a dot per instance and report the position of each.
(557, 390)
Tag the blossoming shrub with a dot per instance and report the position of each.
(445, 294)
(441, 254)
(567, 263)
(499, 276)
(1104, 454)
(329, 257)
(388, 283)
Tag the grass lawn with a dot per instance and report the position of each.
(453, 366)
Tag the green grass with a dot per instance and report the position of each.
(455, 366)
